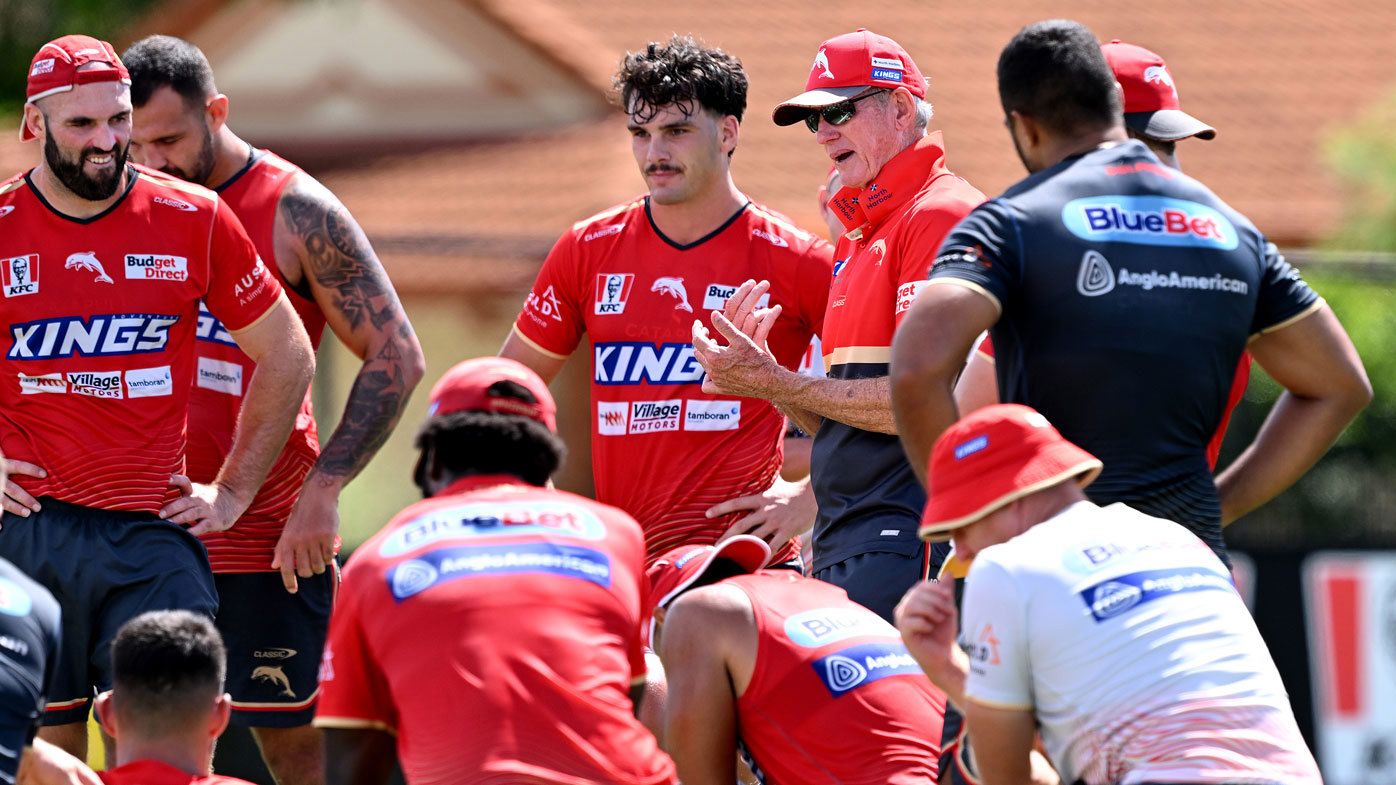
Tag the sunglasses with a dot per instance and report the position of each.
(837, 114)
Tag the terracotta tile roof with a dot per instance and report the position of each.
(1274, 78)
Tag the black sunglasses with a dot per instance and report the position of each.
(837, 114)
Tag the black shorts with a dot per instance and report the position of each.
(104, 567)
(275, 640)
(877, 580)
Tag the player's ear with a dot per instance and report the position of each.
(106, 714)
(216, 112)
(729, 128)
(34, 120)
(222, 712)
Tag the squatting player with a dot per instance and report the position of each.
(808, 685)
(494, 628)
(104, 265)
(274, 625)
(637, 276)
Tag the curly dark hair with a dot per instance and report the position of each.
(465, 443)
(680, 72)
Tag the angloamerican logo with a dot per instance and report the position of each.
(1149, 220)
(850, 668)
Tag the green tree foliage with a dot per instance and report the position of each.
(26, 24)
(1349, 499)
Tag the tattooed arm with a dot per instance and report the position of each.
(339, 268)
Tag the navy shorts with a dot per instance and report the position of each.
(877, 580)
(104, 567)
(275, 640)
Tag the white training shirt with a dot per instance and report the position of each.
(1124, 634)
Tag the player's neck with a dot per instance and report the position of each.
(68, 203)
(230, 155)
(694, 219)
(191, 756)
(1059, 149)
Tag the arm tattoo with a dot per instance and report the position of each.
(339, 259)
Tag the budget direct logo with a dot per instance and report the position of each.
(156, 267)
(856, 666)
(1149, 220)
(717, 294)
(654, 416)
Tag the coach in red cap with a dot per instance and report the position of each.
(1118, 635)
(865, 102)
(785, 671)
(497, 604)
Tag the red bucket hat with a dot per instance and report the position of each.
(993, 457)
(848, 65)
(677, 570)
(54, 68)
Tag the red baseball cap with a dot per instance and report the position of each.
(1151, 97)
(54, 68)
(677, 570)
(847, 65)
(466, 388)
(993, 457)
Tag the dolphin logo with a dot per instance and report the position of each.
(674, 288)
(87, 260)
(275, 675)
(1159, 74)
(821, 61)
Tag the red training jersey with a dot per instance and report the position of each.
(223, 373)
(101, 315)
(834, 695)
(1233, 399)
(153, 772)
(662, 449)
(495, 629)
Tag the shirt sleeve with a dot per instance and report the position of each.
(915, 252)
(994, 630)
(552, 320)
(985, 347)
(1285, 297)
(353, 690)
(639, 638)
(981, 253)
(816, 273)
(241, 289)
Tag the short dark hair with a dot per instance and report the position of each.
(167, 669)
(683, 73)
(165, 61)
(1054, 72)
(466, 443)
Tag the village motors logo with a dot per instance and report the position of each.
(1149, 220)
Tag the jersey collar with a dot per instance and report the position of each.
(477, 481)
(863, 210)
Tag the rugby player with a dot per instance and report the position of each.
(1153, 116)
(637, 276)
(865, 102)
(104, 266)
(1118, 635)
(28, 654)
(167, 707)
(1165, 286)
(808, 686)
(273, 625)
(494, 628)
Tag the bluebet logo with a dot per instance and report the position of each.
(628, 362)
(414, 576)
(822, 626)
(848, 669)
(494, 519)
(1149, 220)
(1114, 597)
(104, 335)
